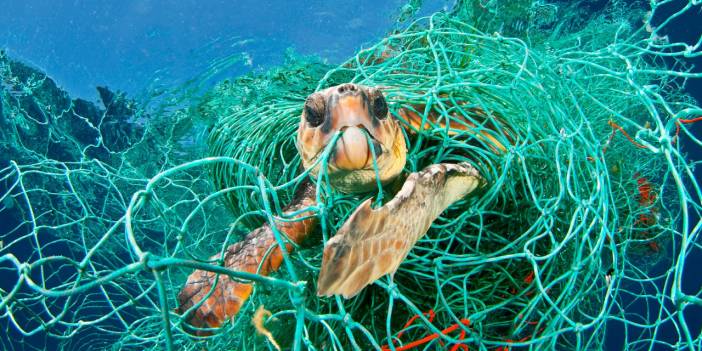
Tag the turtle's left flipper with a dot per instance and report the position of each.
(209, 299)
(373, 242)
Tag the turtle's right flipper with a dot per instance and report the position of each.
(246, 256)
(373, 242)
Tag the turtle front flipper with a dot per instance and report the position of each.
(373, 242)
(258, 249)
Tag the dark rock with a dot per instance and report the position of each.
(37, 116)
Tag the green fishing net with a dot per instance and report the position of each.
(582, 235)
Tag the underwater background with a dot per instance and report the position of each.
(102, 100)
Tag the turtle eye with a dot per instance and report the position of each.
(314, 112)
(380, 107)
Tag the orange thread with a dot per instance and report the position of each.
(645, 220)
(411, 320)
(684, 121)
(462, 346)
(688, 121)
(615, 128)
(428, 338)
(529, 278)
(654, 246)
(646, 195)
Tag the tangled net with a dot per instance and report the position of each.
(583, 232)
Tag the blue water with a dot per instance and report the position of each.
(128, 45)
(133, 45)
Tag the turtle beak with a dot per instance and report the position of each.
(351, 109)
(352, 151)
(351, 115)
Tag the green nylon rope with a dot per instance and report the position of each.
(588, 215)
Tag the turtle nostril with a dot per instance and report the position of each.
(347, 88)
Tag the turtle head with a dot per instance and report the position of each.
(361, 114)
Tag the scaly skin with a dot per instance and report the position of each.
(247, 255)
(373, 242)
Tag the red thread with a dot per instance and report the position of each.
(684, 121)
(462, 346)
(411, 320)
(430, 337)
(529, 278)
(646, 195)
(645, 220)
(615, 128)
(654, 246)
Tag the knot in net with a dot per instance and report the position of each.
(590, 209)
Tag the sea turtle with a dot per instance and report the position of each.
(372, 242)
